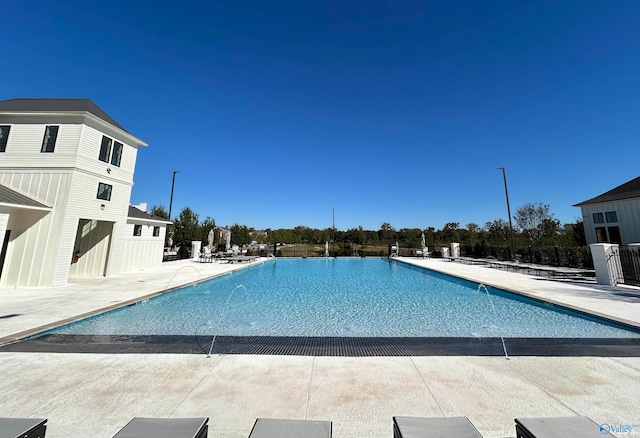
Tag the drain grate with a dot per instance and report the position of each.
(329, 346)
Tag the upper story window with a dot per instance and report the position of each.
(49, 140)
(598, 218)
(156, 231)
(4, 136)
(137, 230)
(104, 191)
(109, 154)
(611, 216)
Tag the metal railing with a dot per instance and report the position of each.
(629, 266)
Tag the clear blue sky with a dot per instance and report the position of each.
(276, 112)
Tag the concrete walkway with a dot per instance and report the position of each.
(94, 395)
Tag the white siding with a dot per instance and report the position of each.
(35, 251)
(89, 162)
(26, 263)
(25, 143)
(628, 213)
(144, 251)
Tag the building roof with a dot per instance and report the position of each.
(628, 190)
(136, 213)
(57, 106)
(11, 198)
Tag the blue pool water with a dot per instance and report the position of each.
(343, 297)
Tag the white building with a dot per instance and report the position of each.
(66, 172)
(614, 216)
(144, 239)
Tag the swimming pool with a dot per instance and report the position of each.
(345, 297)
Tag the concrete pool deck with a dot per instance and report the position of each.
(97, 394)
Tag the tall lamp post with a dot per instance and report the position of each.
(173, 183)
(506, 192)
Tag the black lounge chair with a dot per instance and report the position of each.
(558, 427)
(22, 427)
(272, 428)
(165, 428)
(441, 427)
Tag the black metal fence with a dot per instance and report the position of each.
(578, 257)
(630, 266)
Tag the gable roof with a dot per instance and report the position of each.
(628, 190)
(11, 198)
(136, 213)
(56, 106)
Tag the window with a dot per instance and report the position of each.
(137, 230)
(4, 136)
(49, 141)
(107, 155)
(611, 216)
(104, 191)
(608, 235)
(614, 235)
(156, 231)
(117, 154)
(105, 149)
(598, 218)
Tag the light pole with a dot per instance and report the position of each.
(173, 183)
(506, 192)
(170, 231)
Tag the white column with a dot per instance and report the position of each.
(606, 262)
(455, 249)
(195, 249)
(445, 252)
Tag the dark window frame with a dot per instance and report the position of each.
(613, 234)
(611, 216)
(4, 139)
(601, 235)
(137, 230)
(49, 146)
(156, 231)
(105, 149)
(116, 153)
(105, 191)
(598, 218)
(111, 151)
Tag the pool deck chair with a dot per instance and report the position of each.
(422, 427)
(22, 427)
(273, 428)
(165, 428)
(558, 427)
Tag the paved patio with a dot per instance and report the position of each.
(96, 394)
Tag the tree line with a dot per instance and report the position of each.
(534, 226)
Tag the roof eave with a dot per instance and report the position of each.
(155, 221)
(25, 207)
(605, 201)
(131, 138)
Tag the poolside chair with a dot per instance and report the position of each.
(165, 428)
(22, 427)
(273, 428)
(441, 427)
(558, 427)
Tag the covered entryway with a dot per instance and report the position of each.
(91, 248)
(21, 245)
